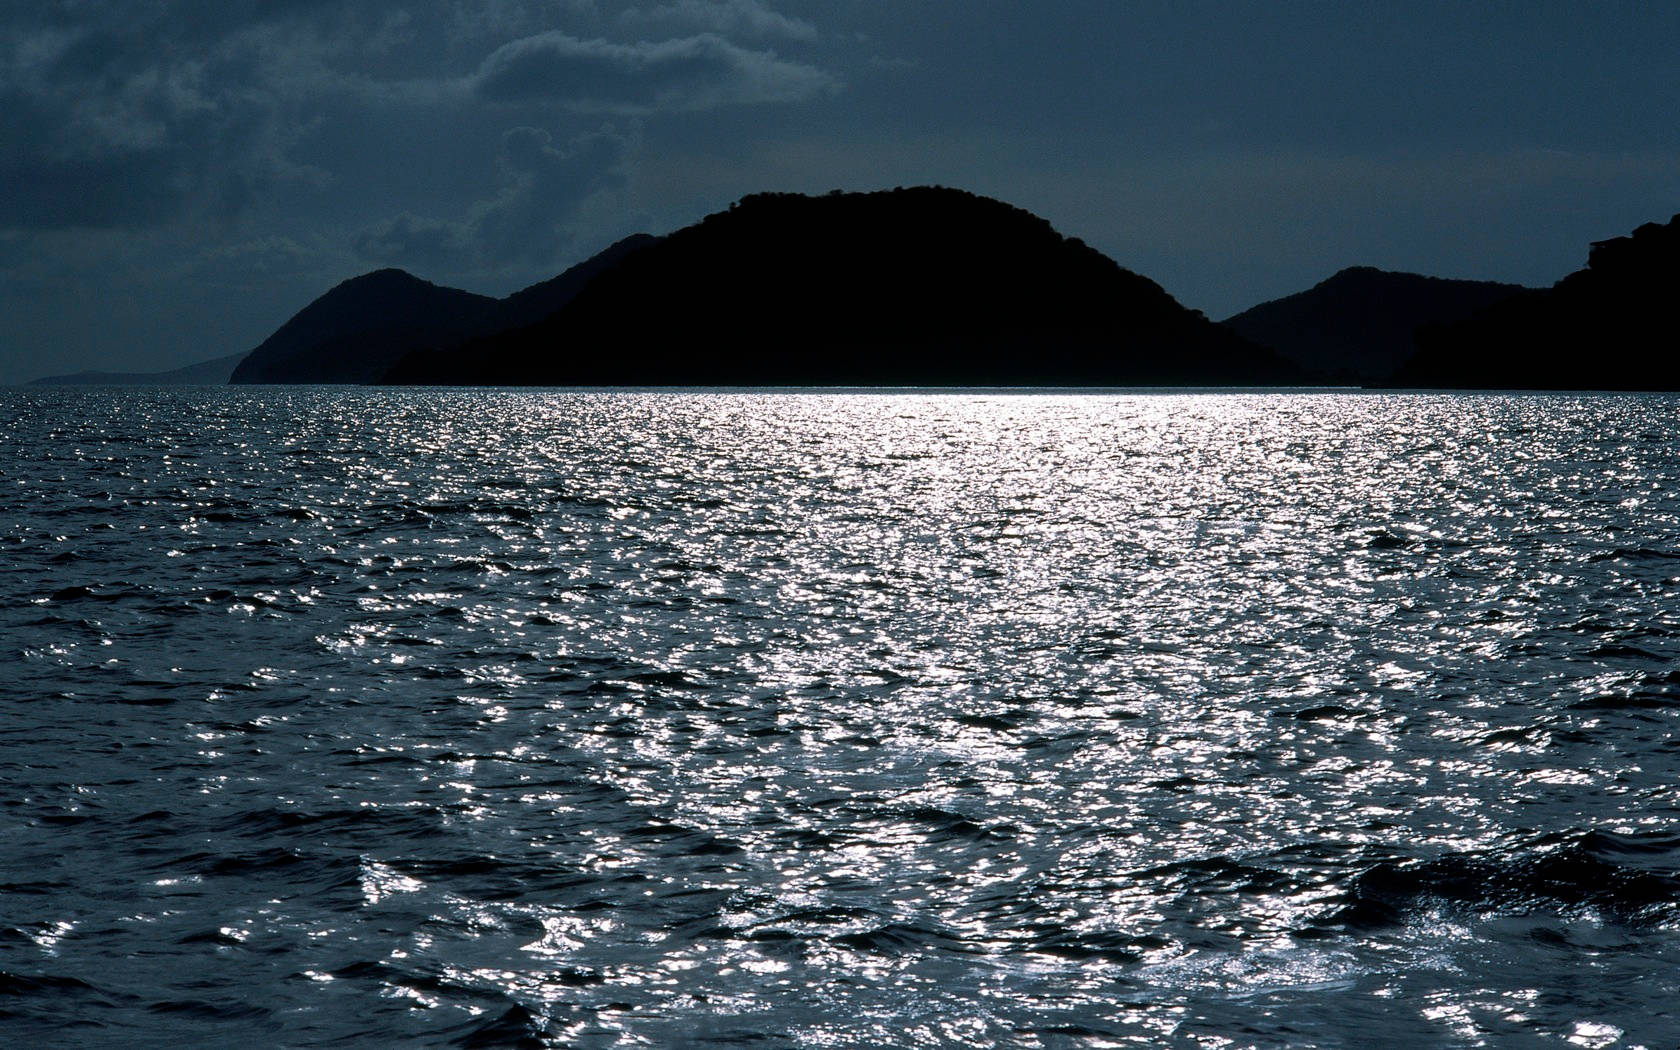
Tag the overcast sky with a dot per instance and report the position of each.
(177, 177)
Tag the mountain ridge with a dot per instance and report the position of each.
(1361, 323)
(935, 286)
(214, 372)
(1607, 326)
(355, 331)
(359, 328)
(917, 286)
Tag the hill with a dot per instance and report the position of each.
(358, 330)
(204, 373)
(911, 286)
(1362, 324)
(1609, 326)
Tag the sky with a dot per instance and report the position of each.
(178, 177)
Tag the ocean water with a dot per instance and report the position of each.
(479, 719)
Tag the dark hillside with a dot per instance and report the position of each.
(356, 331)
(913, 286)
(1362, 324)
(1610, 326)
(532, 304)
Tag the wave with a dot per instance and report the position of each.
(1635, 554)
(1633, 879)
(517, 1027)
(1645, 692)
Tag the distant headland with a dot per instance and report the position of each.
(205, 373)
(926, 286)
(930, 286)
(1608, 326)
(1360, 325)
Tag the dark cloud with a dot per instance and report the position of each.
(141, 112)
(730, 18)
(524, 225)
(40, 191)
(148, 112)
(547, 185)
(259, 259)
(692, 73)
(414, 242)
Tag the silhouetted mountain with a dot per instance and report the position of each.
(540, 300)
(356, 331)
(1610, 326)
(911, 286)
(204, 373)
(1362, 323)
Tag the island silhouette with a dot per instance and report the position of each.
(1608, 326)
(932, 286)
(1361, 324)
(920, 286)
(214, 372)
(355, 332)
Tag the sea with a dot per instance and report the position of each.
(344, 717)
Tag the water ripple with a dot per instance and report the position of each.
(574, 719)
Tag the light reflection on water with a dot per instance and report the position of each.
(839, 720)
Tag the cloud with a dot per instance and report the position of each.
(691, 73)
(139, 113)
(414, 242)
(547, 184)
(525, 224)
(730, 18)
(262, 257)
(153, 112)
